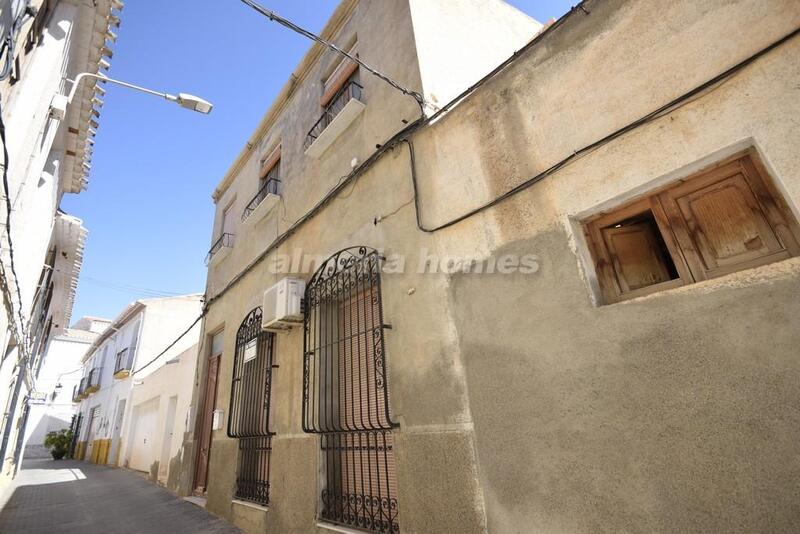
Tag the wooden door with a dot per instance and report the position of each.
(204, 430)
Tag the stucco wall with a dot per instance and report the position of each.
(523, 405)
(173, 380)
(669, 412)
(63, 357)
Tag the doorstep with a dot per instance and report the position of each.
(198, 501)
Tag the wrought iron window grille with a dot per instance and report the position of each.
(75, 427)
(349, 91)
(272, 186)
(225, 240)
(345, 395)
(249, 410)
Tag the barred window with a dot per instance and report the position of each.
(345, 397)
(249, 412)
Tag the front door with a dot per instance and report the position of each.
(204, 434)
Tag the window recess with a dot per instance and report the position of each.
(721, 220)
(249, 413)
(341, 103)
(269, 188)
(345, 396)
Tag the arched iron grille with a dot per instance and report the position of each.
(345, 397)
(249, 412)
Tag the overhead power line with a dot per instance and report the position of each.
(160, 354)
(130, 288)
(402, 137)
(271, 15)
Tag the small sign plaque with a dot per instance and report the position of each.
(251, 350)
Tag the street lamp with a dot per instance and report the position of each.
(58, 107)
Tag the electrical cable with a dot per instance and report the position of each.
(401, 137)
(130, 288)
(271, 15)
(669, 106)
(197, 320)
(7, 194)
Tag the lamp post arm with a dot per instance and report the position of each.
(82, 75)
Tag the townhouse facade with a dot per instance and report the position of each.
(52, 409)
(45, 43)
(125, 398)
(562, 299)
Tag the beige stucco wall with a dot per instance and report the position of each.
(523, 405)
(669, 412)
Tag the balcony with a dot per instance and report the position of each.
(122, 365)
(220, 248)
(77, 391)
(342, 110)
(93, 381)
(261, 204)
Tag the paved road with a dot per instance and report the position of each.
(65, 496)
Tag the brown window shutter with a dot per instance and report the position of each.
(635, 255)
(720, 223)
(635, 252)
(339, 77)
(270, 161)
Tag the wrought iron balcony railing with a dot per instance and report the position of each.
(93, 380)
(270, 187)
(76, 392)
(122, 365)
(349, 91)
(82, 385)
(225, 240)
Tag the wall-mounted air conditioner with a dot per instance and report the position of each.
(282, 306)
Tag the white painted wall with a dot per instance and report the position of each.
(460, 41)
(171, 386)
(62, 367)
(161, 321)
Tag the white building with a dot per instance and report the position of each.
(160, 415)
(51, 407)
(118, 425)
(51, 42)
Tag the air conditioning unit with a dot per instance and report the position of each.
(283, 307)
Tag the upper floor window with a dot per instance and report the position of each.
(341, 103)
(226, 236)
(724, 219)
(269, 183)
(345, 395)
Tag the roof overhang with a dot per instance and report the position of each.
(69, 238)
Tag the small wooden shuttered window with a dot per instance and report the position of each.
(345, 397)
(249, 414)
(724, 219)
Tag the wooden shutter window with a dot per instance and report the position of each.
(269, 162)
(722, 220)
(343, 71)
(727, 220)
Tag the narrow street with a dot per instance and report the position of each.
(70, 496)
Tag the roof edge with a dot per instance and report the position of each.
(334, 24)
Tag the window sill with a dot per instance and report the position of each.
(338, 528)
(339, 124)
(221, 254)
(252, 505)
(262, 210)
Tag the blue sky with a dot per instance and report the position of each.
(148, 208)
